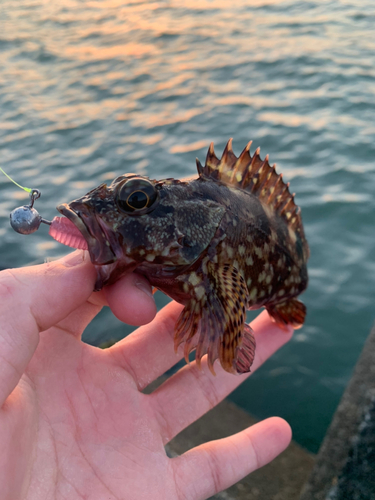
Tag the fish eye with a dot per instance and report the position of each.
(136, 194)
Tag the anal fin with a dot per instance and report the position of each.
(290, 312)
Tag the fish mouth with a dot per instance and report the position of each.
(90, 236)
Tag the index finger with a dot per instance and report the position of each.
(131, 299)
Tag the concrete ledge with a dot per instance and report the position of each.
(345, 464)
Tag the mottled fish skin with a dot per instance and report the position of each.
(228, 241)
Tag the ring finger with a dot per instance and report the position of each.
(204, 391)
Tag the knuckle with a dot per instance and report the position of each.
(214, 471)
(8, 285)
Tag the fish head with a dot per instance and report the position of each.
(137, 221)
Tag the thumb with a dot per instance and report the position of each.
(32, 299)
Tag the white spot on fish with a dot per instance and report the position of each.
(249, 261)
(258, 251)
(199, 292)
(261, 276)
(194, 279)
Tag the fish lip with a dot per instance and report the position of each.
(70, 214)
(100, 254)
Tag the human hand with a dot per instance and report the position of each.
(73, 422)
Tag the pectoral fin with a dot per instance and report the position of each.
(213, 322)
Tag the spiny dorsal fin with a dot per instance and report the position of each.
(255, 175)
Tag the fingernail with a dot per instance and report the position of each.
(144, 286)
(73, 259)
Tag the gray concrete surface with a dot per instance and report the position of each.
(345, 464)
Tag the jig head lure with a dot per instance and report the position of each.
(25, 219)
